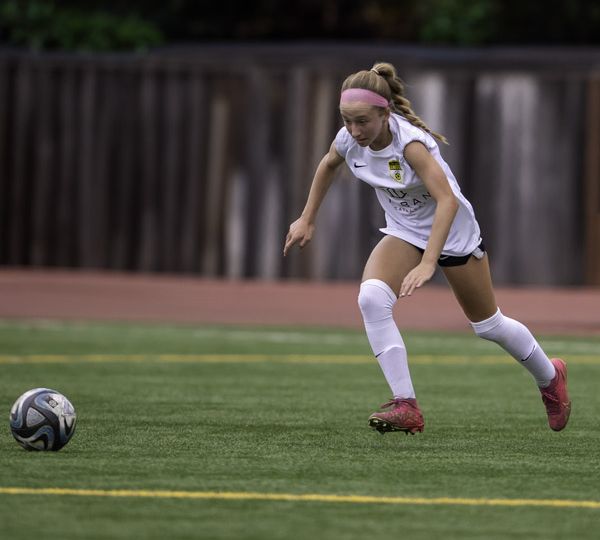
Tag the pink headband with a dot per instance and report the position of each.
(353, 95)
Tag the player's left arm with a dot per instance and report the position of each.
(434, 178)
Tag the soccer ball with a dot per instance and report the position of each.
(42, 419)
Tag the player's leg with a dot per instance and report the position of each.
(388, 264)
(472, 286)
(390, 261)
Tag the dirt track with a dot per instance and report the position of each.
(76, 295)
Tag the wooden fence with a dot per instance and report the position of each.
(196, 160)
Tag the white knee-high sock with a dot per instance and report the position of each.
(517, 340)
(376, 300)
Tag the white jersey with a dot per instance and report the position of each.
(408, 205)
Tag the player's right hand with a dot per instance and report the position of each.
(301, 232)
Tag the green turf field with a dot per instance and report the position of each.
(238, 433)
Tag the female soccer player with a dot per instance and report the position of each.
(429, 222)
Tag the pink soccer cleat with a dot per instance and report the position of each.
(555, 397)
(405, 416)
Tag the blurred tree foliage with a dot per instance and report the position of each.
(39, 24)
(137, 24)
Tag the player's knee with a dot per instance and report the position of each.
(490, 329)
(376, 300)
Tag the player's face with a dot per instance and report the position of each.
(368, 125)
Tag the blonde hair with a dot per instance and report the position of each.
(383, 80)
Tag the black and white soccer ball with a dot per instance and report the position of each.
(42, 419)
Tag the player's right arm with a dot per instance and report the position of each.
(302, 229)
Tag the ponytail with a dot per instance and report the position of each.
(383, 80)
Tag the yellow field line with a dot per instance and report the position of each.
(276, 358)
(311, 497)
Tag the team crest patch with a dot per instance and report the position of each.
(395, 170)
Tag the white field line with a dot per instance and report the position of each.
(309, 497)
(552, 345)
(274, 358)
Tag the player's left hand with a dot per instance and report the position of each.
(416, 278)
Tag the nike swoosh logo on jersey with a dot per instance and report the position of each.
(357, 165)
(444, 257)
